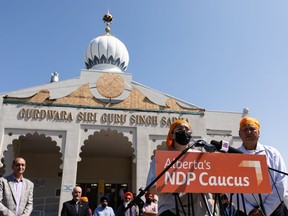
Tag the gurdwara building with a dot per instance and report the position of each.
(99, 130)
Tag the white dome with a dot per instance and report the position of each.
(106, 52)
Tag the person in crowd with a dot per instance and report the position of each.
(121, 194)
(178, 139)
(85, 199)
(150, 208)
(16, 192)
(249, 133)
(75, 207)
(132, 211)
(228, 207)
(156, 198)
(103, 209)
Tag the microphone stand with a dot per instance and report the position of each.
(137, 199)
(270, 168)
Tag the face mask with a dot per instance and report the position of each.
(183, 137)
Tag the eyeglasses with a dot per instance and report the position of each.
(181, 128)
(19, 164)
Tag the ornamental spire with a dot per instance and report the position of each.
(107, 18)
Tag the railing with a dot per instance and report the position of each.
(45, 206)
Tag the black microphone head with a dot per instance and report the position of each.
(200, 143)
(234, 150)
(217, 144)
(208, 147)
(224, 146)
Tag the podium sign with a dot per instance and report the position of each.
(197, 172)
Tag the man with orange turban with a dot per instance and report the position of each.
(249, 133)
(178, 139)
(133, 211)
(86, 200)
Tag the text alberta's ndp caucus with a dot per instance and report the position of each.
(212, 173)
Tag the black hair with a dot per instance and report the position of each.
(104, 198)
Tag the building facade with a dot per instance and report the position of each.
(99, 130)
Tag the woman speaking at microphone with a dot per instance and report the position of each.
(178, 139)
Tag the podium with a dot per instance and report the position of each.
(198, 172)
(213, 173)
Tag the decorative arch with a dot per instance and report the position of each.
(108, 142)
(37, 139)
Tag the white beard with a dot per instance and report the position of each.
(126, 204)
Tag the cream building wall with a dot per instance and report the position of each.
(67, 137)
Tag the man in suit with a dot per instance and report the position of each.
(75, 207)
(16, 192)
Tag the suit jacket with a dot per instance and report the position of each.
(8, 195)
(69, 209)
(133, 211)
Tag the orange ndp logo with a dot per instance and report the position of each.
(212, 173)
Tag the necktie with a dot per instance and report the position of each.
(77, 207)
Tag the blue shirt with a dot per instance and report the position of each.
(100, 211)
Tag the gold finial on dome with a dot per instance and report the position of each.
(107, 18)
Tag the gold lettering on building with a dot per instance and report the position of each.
(109, 118)
(51, 114)
(43, 114)
(168, 121)
(87, 116)
(21, 114)
(36, 114)
(113, 118)
(143, 120)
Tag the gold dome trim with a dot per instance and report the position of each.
(110, 85)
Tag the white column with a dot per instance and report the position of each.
(70, 160)
(142, 155)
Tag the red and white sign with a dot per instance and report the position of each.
(212, 173)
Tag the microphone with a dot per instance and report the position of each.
(208, 147)
(223, 146)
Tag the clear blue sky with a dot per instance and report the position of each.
(223, 54)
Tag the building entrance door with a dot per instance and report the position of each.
(90, 190)
(115, 193)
